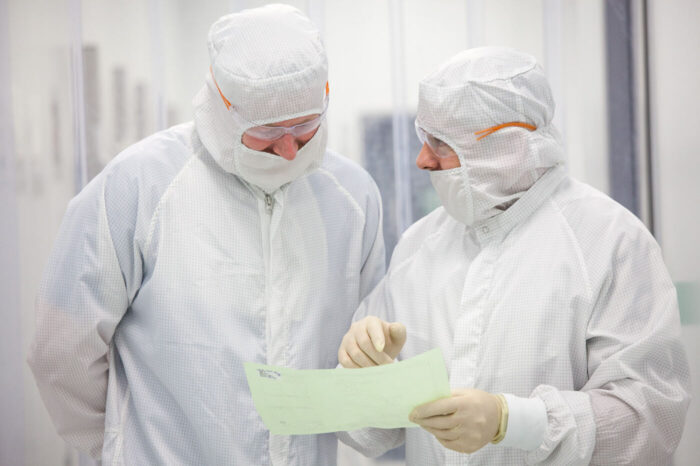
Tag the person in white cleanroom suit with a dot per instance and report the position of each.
(550, 302)
(234, 238)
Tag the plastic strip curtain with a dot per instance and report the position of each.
(157, 64)
(11, 360)
(79, 124)
(75, 15)
(317, 12)
(400, 126)
(475, 23)
(552, 21)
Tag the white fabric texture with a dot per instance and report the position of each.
(563, 296)
(171, 270)
(270, 64)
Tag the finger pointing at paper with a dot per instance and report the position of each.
(371, 342)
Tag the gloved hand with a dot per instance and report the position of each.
(464, 422)
(371, 342)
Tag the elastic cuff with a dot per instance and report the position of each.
(527, 422)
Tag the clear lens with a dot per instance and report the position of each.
(439, 147)
(272, 133)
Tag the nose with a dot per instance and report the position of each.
(426, 160)
(286, 147)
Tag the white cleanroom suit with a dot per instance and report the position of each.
(188, 256)
(533, 285)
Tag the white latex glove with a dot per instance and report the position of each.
(371, 342)
(464, 422)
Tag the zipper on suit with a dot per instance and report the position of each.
(278, 447)
(266, 222)
(269, 203)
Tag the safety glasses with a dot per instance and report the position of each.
(439, 147)
(273, 133)
(442, 149)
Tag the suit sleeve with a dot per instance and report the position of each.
(632, 409)
(82, 298)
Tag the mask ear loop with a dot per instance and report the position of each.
(488, 131)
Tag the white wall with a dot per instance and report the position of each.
(674, 41)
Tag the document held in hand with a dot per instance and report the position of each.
(292, 401)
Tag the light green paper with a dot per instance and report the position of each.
(292, 401)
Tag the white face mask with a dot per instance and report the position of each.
(455, 194)
(270, 171)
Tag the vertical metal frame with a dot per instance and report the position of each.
(622, 105)
(642, 122)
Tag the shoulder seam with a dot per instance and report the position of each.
(161, 201)
(410, 256)
(577, 246)
(344, 190)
